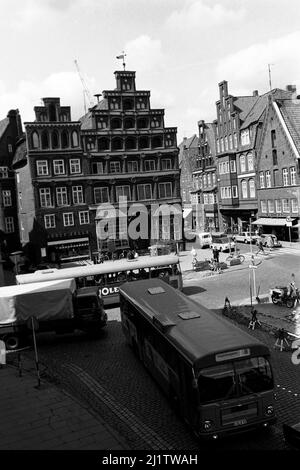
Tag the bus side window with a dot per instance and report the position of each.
(98, 280)
(121, 277)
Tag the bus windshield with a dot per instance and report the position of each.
(233, 380)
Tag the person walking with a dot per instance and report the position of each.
(260, 247)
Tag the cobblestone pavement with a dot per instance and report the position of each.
(107, 377)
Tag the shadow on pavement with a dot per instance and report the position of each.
(191, 290)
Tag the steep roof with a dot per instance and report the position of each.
(20, 157)
(290, 111)
(3, 126)
(86, 120)
(189, 142)
(244, 104)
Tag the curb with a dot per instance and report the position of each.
(264, 299)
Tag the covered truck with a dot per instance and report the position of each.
(56, 305)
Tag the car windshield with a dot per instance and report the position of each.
(232, 380)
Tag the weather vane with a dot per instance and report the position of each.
(122, 56)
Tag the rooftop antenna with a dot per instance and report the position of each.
(122, 56)
(86, 93)
(270, 76)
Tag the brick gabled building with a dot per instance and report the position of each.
(278, 158)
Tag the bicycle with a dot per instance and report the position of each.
(236, 256)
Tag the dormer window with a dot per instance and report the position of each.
(245, 137)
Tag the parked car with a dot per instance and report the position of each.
(270, 240)
(204, 239)
(245, 237)
(222, 243)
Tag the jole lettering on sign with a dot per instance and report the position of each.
(109, 290)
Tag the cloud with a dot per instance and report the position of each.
(196, 14)
(65, 85)
(144, 53)
(248, 68)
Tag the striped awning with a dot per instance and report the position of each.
(280, 222)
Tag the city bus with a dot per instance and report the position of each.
(216, 376)
(110, 275)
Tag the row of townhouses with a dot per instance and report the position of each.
(59, 172)
(243, 168)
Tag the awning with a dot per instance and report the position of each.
(271, 221)
(72, 240)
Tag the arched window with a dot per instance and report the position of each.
(130, 143)
(252, 188)
(128, 104)
(142, 123)
(55, 140)
(244, 189)
(117, 144)
(250, 162)
(43, 117)
(116, 123)
(140, 104)
(45, 140)
(74, 139)
(129, 123)
(242, 163)
(169, 140)
(35, 140)
(64, 139)
(156, 142)
(103, 143)
(155, 122)
(144, 142)
(52, 112)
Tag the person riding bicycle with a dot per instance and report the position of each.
(260, 246)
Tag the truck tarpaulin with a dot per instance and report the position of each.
(50, 300)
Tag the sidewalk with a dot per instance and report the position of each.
(47, 418)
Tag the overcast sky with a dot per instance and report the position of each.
(180, 50)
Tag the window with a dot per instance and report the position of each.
(278, 206)
(214, 178)
(115, 167)
(262, 180)
(222, 144)
(9, 224)
(101, 123)
(276, 177)
(75, 142)
(294, 203)
(285, 177)
(42, 167)
(244, 189)
(45, 197)
(226, 164)
(149, 165)
(205, 198)
(250, 162)
(97, 168)
(6, 198)
(90, 143)
(3, 172)
(234, 192)
(75, 166)
(268, 179)
(55, 140)
(165, 190)
(235, 140)
(274, 157)
(252, 188)
(270, 206)
(77, 195)
(123, 191)
(232, 166)
(226, 143)
(273, 138)
(68, 218)
(218, 146)
(285, 205)
(58, 167)
(293, 175)
(144, 192)
(242, 163)
(166, 164)
(62, 196)
(49, 220)
(84, 217)
(45, 140)
(245, 137)
(209, 179)
(132, 167)
(220, 168)
(35, 140)
(230, 142)
(263, 207)
(101, 195)
(204, 181)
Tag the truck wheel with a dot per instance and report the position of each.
(290, 303)
(12, 342)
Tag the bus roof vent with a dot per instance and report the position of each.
(189, 315)
(162, 322)
(156, 290)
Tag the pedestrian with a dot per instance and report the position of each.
(260, 247)
(254, 320)
(216, 254)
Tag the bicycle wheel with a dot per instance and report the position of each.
(241, 258)
(229, 258)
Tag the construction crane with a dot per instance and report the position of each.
(86, 93)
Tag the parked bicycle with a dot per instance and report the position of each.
(236, 256)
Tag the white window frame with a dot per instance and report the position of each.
(62, 196)
(263, 207)
(243, 163)
(278, 208)
(285, 177)
(77, 195)
(58, 167)
(123, 191)
(235, 193)
(245, 137)
(115, 167)
(232, 166)
(42, 168)
(166, 164)
(75, 166)
(285, 205)
(294, 206)
(45, 197)
(293, 176)
(151, 163)
(141, 190)
(101, 190)
(244, 189)
(68, 219)
(98, 165)
(6, 198)
(271, 207)
(261, 180)
(250, 162)
(4, 172)
(135, 164)
(9, 224)
(252, 189)
(268, 179)
(163, 189)
(49, 221)
(84, 217)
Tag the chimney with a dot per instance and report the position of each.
(291, 88)
(255, 93)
